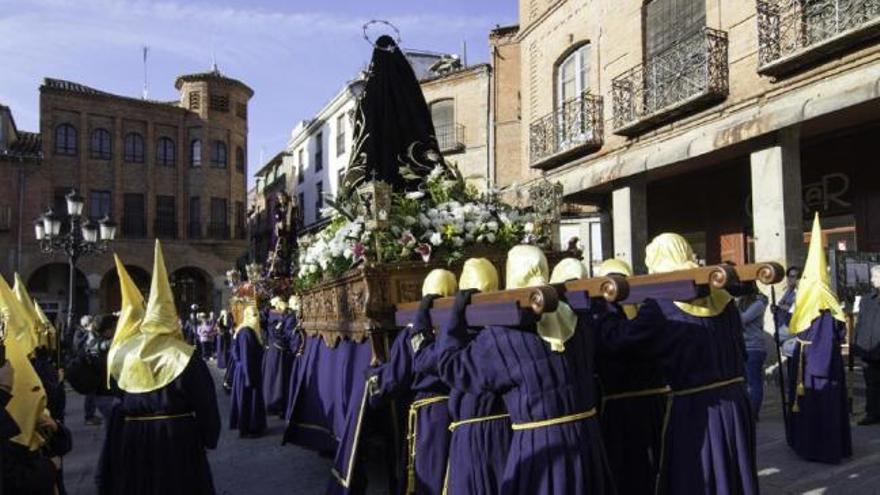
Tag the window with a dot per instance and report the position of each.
(65, 140)
(195, 218)
(195, 153)
(133, 218)
(219, 103)
(573, 75)
(100, 146)
(219, 226)
(300, 168)
(218, 154)
(443, 114)
(319, 199)
(239, 159)
(165, 154)
(99, 205)
(670, 21)
(240, 229)
(195, 100)
(319, 151)
(166, 217)
(134, 148)
(340, 135)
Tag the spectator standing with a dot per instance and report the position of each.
(751, 307)
(866, 345)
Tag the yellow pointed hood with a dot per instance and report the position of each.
(814, 293)
(131, 315)
(46, 335)
(527, 267)
(157, 354)
(250, 319)
(28, 313)
(28, 401)
(670, 252)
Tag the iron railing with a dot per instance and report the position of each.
(218, 230)
(573, 128)
(450, 137)
(164, 228)
(790, 28)
(681, 79)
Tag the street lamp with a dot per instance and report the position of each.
(82, 239)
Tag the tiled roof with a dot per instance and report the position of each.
(28, 145)
(213, 75)
(70, 86)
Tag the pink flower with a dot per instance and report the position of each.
(358, 250)
(424, 250)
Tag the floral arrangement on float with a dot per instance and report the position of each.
(444, 219)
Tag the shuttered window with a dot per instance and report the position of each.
(669, 21)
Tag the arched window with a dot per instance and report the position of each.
(239, 159)
(218, 154)
(443, 116)
(165, 155)
(134, 148)
(100, 144)
(65, 139)
(195, 153)
(573, 75)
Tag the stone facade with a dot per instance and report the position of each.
(695, 162)
(138, 162)
(464, 140)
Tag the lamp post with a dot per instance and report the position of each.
(82, 239)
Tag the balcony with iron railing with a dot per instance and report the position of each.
(689, 76)
(165, 228)
(450, 137)
(797, 33)
(218, 231)
(574, 129)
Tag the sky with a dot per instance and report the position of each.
(295, 54)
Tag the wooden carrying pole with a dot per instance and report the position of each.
(517, 306)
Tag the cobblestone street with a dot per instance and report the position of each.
(263, 466)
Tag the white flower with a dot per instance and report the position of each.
(436, 239)
(457, 241)
(415, 195)
(490, 237)
(529, 228)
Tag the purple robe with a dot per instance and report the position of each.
(709, 442)
(399, 377)
(155, 442)
(248, 411)
(632, 412)
(477, 448)
(277, 362)
(536, 384)
(819, 427)
(309, 419)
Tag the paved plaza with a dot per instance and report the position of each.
(263, 466)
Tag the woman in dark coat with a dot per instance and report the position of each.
(709, 435)
(167, 415)
(248, 411)
(545, 375)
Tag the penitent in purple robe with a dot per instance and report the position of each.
(278, 361)
(478, 446)
(819, 427)
(399, 377)
(155, 442)
(537, 384)
(632, 412)
(248, 411)
(709, 442)
(224, 343)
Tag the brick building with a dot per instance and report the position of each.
(729, 122)
(169, 170)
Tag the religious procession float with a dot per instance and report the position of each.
(401, 211)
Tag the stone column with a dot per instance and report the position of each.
(629, 217)
(777, 206)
